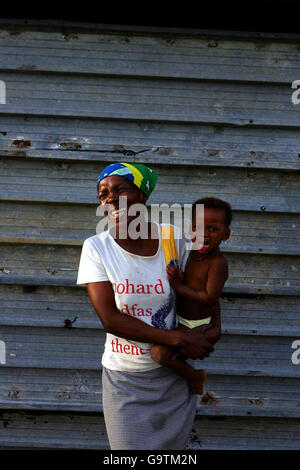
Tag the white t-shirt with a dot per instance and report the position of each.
(141, 290)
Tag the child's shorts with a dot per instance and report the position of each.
(193, 323)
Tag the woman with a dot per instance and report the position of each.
(145, 405)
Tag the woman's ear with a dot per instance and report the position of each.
(144, 197)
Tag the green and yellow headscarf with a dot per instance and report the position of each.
(140, 175)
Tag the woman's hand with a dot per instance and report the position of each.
(194, 344)
(211, 332)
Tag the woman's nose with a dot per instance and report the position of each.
(112, 198)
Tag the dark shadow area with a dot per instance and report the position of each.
(262, 16)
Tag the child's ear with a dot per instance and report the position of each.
(227, 234)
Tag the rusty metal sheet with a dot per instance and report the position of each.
(181, 144)
(247, 272)
(54, 431)
(48, 306)
(233, 395)
(45, 430)
(150, 99)
(147, 56)
(245, 434)
(75, 182)
(80, 390)
(78, 348)
(215, 104)
(65, 224)
(51, 389)
(53, 348)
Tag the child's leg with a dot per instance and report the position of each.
(163, 355)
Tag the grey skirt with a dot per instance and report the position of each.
(147, 410)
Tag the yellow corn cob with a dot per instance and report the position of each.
(168, 243)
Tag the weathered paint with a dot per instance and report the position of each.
(220, 105)
(42, 430)
(151, 56)
(105, 140)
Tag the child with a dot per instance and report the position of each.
(205, 274)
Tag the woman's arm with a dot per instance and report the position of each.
(101, 294)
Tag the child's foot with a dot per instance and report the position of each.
(197, 383)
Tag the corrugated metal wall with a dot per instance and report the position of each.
(212, 113)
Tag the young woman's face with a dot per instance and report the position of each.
(110, 190)
(215, 229)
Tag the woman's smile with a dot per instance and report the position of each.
(117, 213)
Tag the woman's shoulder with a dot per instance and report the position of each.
(97, 240)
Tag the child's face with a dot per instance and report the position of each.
(215, 230)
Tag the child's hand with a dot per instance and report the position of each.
(174, 276)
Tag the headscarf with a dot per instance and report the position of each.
(140, 175)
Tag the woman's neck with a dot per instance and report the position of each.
(146, 245)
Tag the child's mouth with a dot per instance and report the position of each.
(204, 247)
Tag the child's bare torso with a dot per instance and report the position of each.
(196, 276)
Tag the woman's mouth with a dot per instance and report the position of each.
(117, 213)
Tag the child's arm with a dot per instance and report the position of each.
(217, 275)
